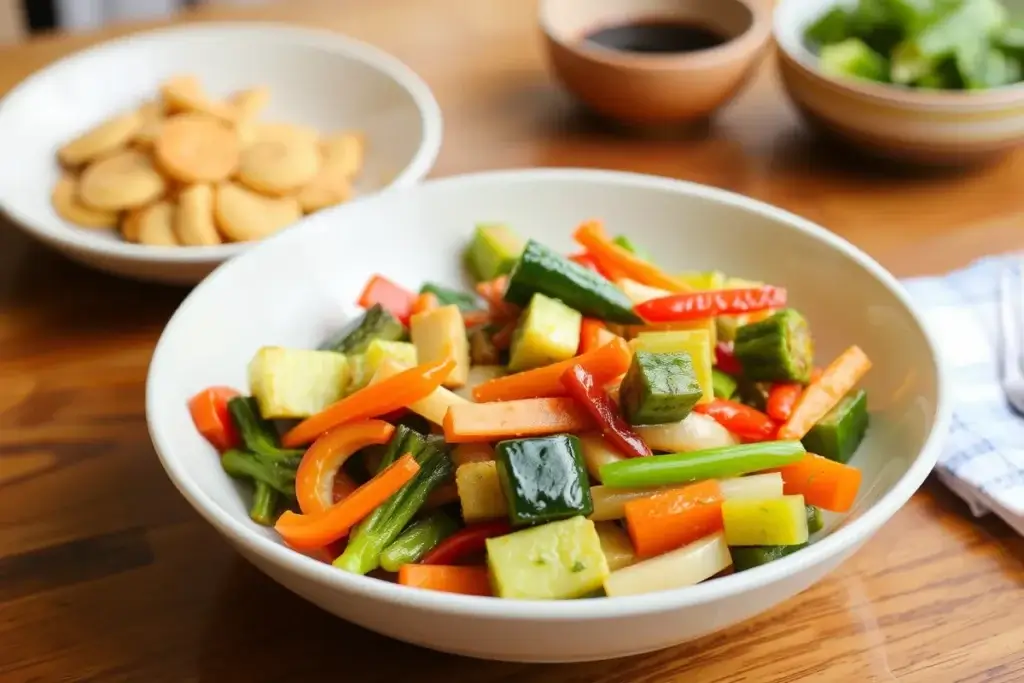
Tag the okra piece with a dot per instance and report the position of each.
(815, 522)
(543, 479)
(712, 463)
(776, 349)
(748, 557)
(416, 541)
(837, 435)
(659, 388)
(264, 504)
(722, 384)
(258, 434)
(245, 465)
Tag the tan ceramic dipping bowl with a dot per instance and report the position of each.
(649, 88)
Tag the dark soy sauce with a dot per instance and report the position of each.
(654, 36)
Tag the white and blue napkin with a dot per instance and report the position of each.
(983, 459)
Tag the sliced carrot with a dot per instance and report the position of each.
(674, 518)
(826, 483)
(446, 578)
(426, 301)
(377, 398)
(317, 474)
(593, 335)
(466, 422)
(306, 532)
(611, 257)
(604, 363)
(823, 395)
(209, 410)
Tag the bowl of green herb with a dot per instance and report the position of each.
(931, 81)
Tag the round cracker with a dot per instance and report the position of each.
(244, 216)
(195, 148)
(346, 150)
(249, 103)
(156, 225)
(121, 181)
(152, 114)
(108, 137)
(183, 94)
(281, 165)
(331, 186)
(194, 225)
(66, 204)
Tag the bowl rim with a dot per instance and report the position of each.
(83, 241)
(746, 44)
(795, 49)
(844, 539)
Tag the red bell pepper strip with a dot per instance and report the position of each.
(783, 397)
(395, 299)
(726, 361)
(466, 542)
(581, 386)
(740, 419)
(694, 305)
(209, 410)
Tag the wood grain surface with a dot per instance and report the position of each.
(106, 574)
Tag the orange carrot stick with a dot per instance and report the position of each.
(209, 410)
(446, 578)
(605, 363)
(424, 302)
(317, 474)
(373, 400)
(671, 519)
(306, 532)
(826, 483)
(465, 422)
(783, 397)
(822, 396)
(609, 255)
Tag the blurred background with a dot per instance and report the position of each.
(20, 19)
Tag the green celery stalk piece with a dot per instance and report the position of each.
(264, 504)
(852, 58)
(244, 465)
(420, 538)
(712, 463)
(831, 27)
(631, 246)
(258, 434)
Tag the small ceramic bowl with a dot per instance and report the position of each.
(654, 88)
(317, 78)
(946, 128)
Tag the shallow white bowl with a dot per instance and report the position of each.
(316, 77)
(293, 289)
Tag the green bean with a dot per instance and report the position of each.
(245, 465)
(258, 434)
(264, 504)
(417, 540)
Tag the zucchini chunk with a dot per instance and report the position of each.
(376, 323)
(543, 479)
(697, 343)
(296, 383)
(493, 251)
(765, 521)
(548, 332)
(480, 491)
(439, 333)
(659, 388)
(776, 349)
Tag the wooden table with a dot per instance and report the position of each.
(106, 574)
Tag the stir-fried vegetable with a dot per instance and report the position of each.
(571, 429)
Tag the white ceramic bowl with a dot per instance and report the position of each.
(291, 291)
(316, 78)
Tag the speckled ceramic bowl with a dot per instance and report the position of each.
(929, 127)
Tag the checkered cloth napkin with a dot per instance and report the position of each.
(983, 461)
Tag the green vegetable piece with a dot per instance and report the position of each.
(944, 76)
(711, 463)
(360, 373)
(264, 504)
(776, 349)
(704, 280)
(542, 270)
(416, 541)
(376, 323)
(748, 557)
(723, 385)
(832, 27)
(244, 465)
(1010, 38)
(557, 561)
(630, 246)
(853, 58)
(377, 531)
(837, 435)
(815, 522)
(543, 479)
(259, 435)
(493, 251)
(446, 297)
(296, 383)
(548, 332)
(981, 66)
(659, 388)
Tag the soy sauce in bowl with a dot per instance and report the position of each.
(654, 36)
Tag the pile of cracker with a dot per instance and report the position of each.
(189, 170)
